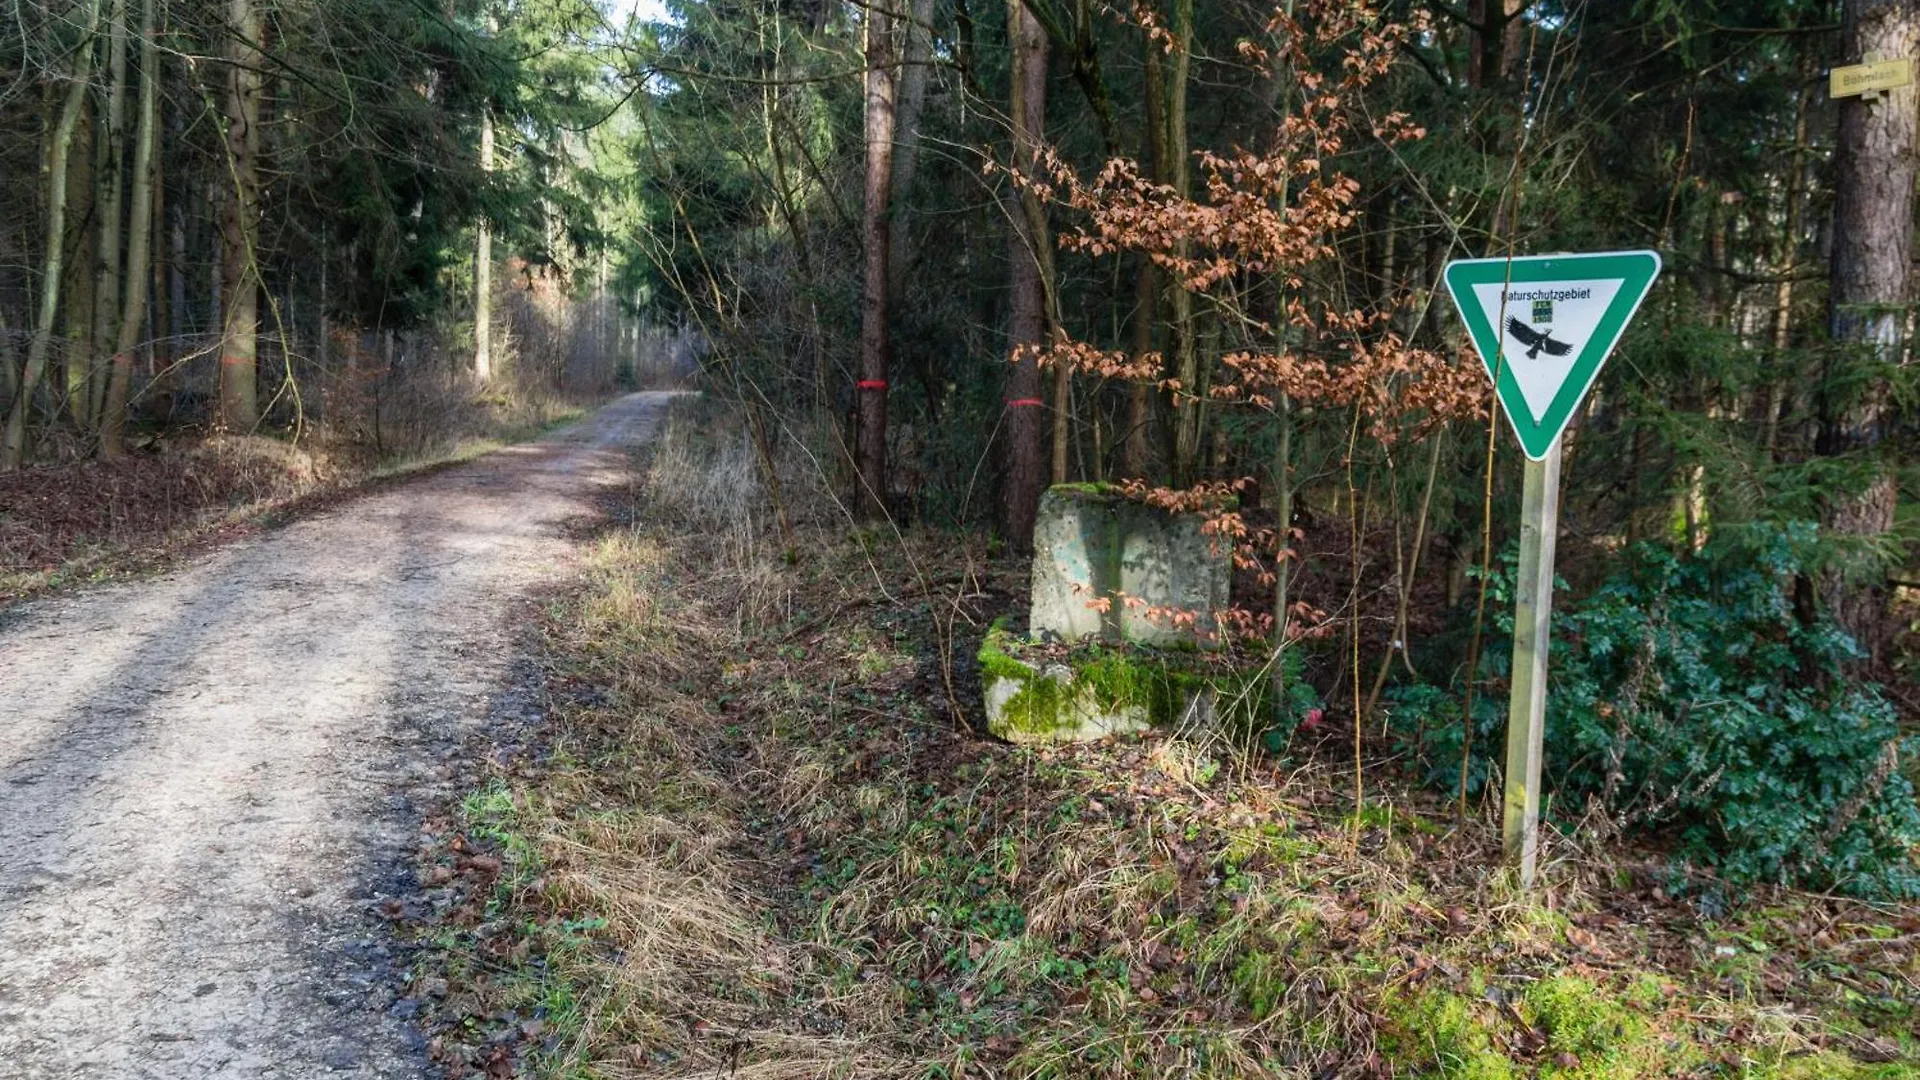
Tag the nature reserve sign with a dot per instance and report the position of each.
(1544, 325)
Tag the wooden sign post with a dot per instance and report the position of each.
(1532, 623)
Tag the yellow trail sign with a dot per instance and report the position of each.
(1869, 77)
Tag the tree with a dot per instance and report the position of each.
(13, 445)
(876, 342)
(239, 238)
(1027, 240)
(1869, 299)
(483, 265)
(108, 206)
(113, 419)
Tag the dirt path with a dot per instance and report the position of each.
(208, 781)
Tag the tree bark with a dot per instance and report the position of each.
(113, 418)
(1146, 310)
(1027, 322)
(882, 89)
(13, 442)
(240, 321)
(178, 312)
(1870, 289)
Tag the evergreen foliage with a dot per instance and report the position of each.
(1687, 700)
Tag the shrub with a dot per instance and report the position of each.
(1686, 697)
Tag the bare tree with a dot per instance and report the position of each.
(240, 320)
(113, 419)
(13, 445)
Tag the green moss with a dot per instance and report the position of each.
(1096, 490)
(1436, 1034)
(1591, 1035)
(1261, 980)
(1265, 840)
(1578, 1019)
(994, 658)
(1109, 680)
(1161, 683)
(1832, 1066)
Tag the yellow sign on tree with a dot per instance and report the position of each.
(1869, 77)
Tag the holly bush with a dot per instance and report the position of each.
(1686, 700)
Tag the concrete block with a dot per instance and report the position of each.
(1092, 543)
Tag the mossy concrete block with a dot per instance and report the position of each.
(1050, 705)
(1092, 544)
(1100, 693)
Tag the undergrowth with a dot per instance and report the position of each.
(763, 848)
(1688, 700)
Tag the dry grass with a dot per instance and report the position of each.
(760, 847)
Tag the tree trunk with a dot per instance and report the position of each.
(13, 443)
(1146, 309)
(483, 267)
(113, 418)
(1785, 265)
(1494, 42)
(1062, 419)
(916, 37)
(1146, 314)
(870, 454)
(916, 50)
(159, 349)
(240, 321)
(9, 362)
(1027, 322)
(109, 207)
(1873, 241)
(179, 313)
(83, 214)
(1186, 353)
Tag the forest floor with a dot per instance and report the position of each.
(211, 781)
(756, 838)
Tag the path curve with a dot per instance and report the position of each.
(208, 780)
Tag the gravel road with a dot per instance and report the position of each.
(210, 780)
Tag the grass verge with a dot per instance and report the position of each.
(759, 846)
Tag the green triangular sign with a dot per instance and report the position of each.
(1558, 317)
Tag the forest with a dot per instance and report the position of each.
(933, 266)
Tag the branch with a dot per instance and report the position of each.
(1432, 72)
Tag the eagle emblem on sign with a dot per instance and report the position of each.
(1536, 340)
